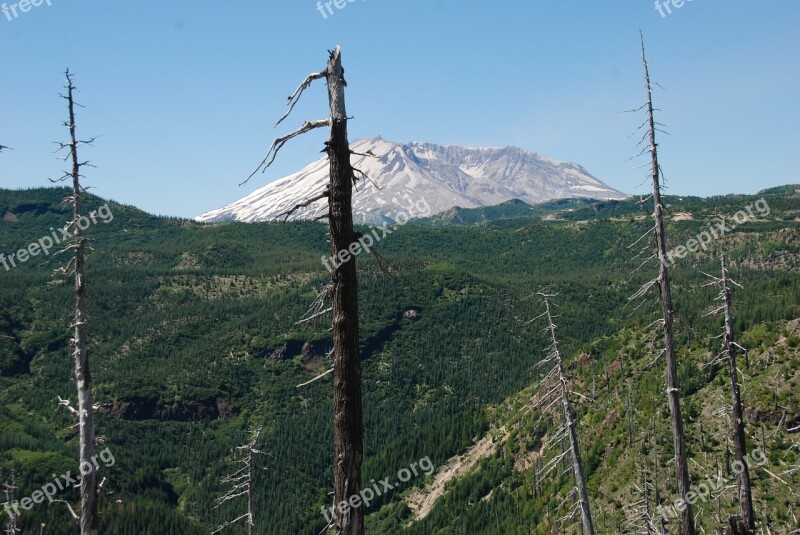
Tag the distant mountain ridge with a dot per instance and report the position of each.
(443, 176)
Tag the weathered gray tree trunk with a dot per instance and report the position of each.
(242, 482)
(662, 529)
(673, 388)
(577, 464)
(10, 489)
(348, 448)
(574, 445)
(80, 342)
(740, 445)
(629, 414)
(251, 521)
(646, 518)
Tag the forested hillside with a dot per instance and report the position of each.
(194, 341)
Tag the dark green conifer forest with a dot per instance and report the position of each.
(194, 342)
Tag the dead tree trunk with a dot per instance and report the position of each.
(348, 449)
(735, 527)
(740, 445)
(89, 521)
(647, 520)
(571, 433)
(629, 415)
(673, 388)
(242, 483)
(347, 411)
(9, 489)
(662, 529)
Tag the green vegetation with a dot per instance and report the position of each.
(194, 339)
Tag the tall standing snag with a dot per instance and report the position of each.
(347, 410)
(559, 392)
(9, 489)
(80, 342)
(348, 449)
(663, 283)
(730, 348)
(242, 482)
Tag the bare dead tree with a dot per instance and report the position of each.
(662, 282)
(558, 390)
(661, 524)
(640, 521)
(348, 448)
(10, 490)
(242, 482)
(89, 520)
(729, 353)
(629, 414)
(657, 519)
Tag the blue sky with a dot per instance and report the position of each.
(183, 94)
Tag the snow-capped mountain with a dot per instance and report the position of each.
(421, 179)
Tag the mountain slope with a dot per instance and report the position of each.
(194, 340)
(421, 179)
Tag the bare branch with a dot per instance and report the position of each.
(314, 316)
(281, 141)
(315, 379)
(71, 511)
(312, 200)
(295, 97)
(66, 404)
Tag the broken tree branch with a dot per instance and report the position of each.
(281, 141)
